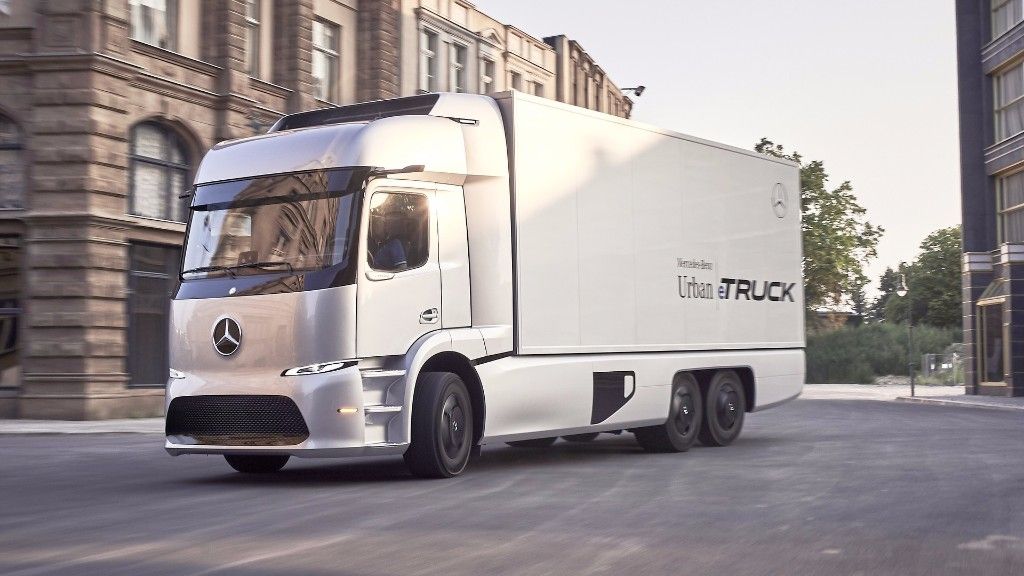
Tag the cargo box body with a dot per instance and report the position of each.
(633, 239)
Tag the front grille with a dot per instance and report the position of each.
(242, 420)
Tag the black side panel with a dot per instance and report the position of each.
(611, 391)
(411, 106)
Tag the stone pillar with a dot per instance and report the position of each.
(293, 54)
(977, 275)
(378, 59)
(75, 248)
(224, 45)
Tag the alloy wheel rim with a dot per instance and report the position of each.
(453, 427)
(683, 410)
(726, 406)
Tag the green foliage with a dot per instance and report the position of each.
(857, 355)
(887, 284)
(933, 283)
(837, 237)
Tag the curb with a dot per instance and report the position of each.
(129, 426)
(957, 403)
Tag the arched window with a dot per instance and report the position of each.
(159, 173)
(12, 165)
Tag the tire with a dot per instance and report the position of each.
(253, 464)
(442, 426)
(724, 409)
(683, 425)
(587, 437)
(535, 443)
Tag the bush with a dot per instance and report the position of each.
(860, 354)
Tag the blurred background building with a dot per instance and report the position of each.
(990, 66)
(106, 109)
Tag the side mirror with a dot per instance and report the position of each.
(377, 275)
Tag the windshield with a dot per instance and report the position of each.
(271, 224)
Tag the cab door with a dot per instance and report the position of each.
(399, 285)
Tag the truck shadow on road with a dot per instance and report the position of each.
(494, 459)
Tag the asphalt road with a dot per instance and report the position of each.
(814, 487)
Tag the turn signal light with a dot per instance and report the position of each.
(318, 368)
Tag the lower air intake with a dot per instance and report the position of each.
(243, 420)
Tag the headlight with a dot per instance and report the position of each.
(175, 375)
(318, 368)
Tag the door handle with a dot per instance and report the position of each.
(428, 316)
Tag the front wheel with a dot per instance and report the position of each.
(253, 464)
(442, 426)
(724, 408)
(679, 432)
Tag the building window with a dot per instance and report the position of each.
(990, 330)
(1010, 194)
(428, 61)
(486, 76)
(516, 80)
(12, 165)
(326, 56)
(159, 173)
(155, 22)
(152, 281)
(1009, 102)
(537, 89)
(1005, 15)
(457, 71)
(575, 86)
(252, 37)
(10, 311)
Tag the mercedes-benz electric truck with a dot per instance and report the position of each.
(425, 275)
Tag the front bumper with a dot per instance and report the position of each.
(344, 411)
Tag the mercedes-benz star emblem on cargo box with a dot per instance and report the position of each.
(779, 200)
(227, 336)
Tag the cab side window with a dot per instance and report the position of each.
(399, 234)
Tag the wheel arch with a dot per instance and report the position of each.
(462, 366)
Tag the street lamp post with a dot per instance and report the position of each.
(903, 291)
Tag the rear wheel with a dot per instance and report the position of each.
(679, 432)
(724, 409)
(442, 426)
(587, 437)
(253, 464)
(535, 443)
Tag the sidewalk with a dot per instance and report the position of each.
(989, 402)
(126, 426)
(874, 391)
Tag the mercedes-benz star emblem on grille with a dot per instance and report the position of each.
(227, 336)
(779, 200)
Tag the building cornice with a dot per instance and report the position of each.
(528, 64)
(1003, 49)
(176, 58)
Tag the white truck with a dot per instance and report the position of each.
(424, 275)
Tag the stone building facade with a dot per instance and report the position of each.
(106, 109)
(990, 66)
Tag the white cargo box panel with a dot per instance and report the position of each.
(632, 238)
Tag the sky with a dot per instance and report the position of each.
(867, 86)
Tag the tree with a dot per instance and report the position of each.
(838, 239)
(933, 282)
(887, 284)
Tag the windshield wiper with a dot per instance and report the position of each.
(210, 269)
(230, 269)
(266, 264)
